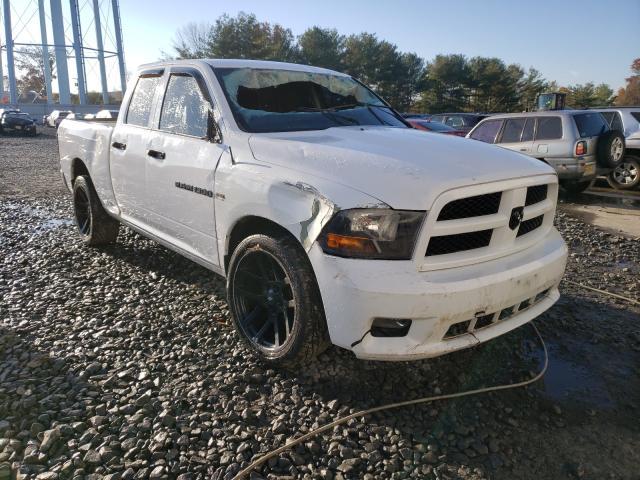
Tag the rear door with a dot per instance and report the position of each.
(487, 131)
(548, 141)
(517, 134)
(181, 163)
(129, 145)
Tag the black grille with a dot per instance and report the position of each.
(458, 242)
(529, 225)
(471, 207)
(536, 194)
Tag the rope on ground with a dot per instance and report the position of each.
(604, 292)
(258, 462)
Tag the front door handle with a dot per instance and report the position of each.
(119, 145)
(156, 154)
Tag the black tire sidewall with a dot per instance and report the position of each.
(104, 228)
(605, 141)
(309, 311)
(83, 183)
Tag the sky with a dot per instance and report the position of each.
(568, 41)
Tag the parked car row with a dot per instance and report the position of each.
(579, 144)
(13, 120)
(56, 116)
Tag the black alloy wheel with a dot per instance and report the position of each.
(264, 300)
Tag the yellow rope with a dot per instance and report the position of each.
(630, 300)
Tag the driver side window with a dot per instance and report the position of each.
(185, 109)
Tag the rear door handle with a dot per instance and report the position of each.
(119, 145)
(156, 154)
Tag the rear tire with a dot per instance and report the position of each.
(610, 149)
(574, 188)
(625, 176)
(95, 225)
(275, 301)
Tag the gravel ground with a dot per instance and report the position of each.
(120, 363)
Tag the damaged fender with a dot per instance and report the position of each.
(246, 187)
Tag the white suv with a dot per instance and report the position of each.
(578, 144)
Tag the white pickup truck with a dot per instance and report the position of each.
(331, 219)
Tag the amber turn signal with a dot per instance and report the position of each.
(353, 244)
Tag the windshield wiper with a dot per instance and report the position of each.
(329, 112)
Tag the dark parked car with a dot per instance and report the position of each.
(417, 116)
(17, 121)
(460, 121)
(435, 127)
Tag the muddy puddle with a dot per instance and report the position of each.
(581, 373)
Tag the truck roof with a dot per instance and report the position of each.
(243, 63)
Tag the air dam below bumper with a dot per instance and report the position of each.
(355, 292)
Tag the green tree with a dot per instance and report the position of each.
(446, 82)
(530, 86)
(582, 95)
(603, 95)
(321, 47)
(242, 36)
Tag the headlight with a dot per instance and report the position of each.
(372, 233)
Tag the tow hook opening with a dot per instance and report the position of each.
(390, 327)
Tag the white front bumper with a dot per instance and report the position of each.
(355, 292)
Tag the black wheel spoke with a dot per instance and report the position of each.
(252, 316)
(251, 295)
(260, 333)
(263, 299)
(286, 321)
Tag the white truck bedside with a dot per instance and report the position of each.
(332, 219)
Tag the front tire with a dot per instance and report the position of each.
(275, 302)
(94, 223)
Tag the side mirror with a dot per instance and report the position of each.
(213, 129)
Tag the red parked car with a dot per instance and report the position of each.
(436, 127)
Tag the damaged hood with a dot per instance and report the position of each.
(404, 168)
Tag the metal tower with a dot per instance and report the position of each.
(79, 40)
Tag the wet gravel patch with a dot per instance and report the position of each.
(119, 363)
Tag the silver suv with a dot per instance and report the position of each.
(625, 176)
(579, 144)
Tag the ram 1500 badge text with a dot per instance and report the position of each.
(331, 219)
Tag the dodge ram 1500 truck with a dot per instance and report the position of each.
(331, 219)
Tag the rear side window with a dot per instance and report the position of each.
(614, 120)
(512, 132)
(636, 115)
(437, 118)
(549, 128)
(590, 124)
(487, 131)
(140, 106)
(455, 122)
(185, 109)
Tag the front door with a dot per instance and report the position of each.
(181, 163)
